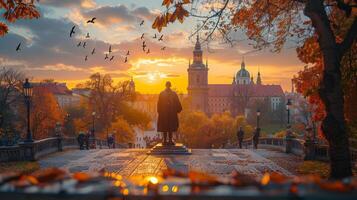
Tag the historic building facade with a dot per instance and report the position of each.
(235, 97)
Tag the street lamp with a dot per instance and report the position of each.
(28, 94)
(288, 106)
(258, 116)
(93, 137)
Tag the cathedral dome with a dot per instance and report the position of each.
(242, 73)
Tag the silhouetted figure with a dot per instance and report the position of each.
(86, 140)
(81, 140)
(240, 136)
(256, 138)
(168, 107)
(111, 141)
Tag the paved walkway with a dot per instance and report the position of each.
(129, 162)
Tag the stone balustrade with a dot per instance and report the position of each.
(35, 150)
(299, 147)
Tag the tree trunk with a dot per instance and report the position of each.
(330, 92)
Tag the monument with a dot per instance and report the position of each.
(168, 107)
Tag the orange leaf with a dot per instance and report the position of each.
(3, 29)
(167, 3)
(81, 177)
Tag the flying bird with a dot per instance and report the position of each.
(161, 37)
(87, 36)
(106, 56)
(84, 44)
(163, 48)
(79, 44)
(128, 53)
(112, 58)
(144, 46)
(110, 48)
(18, 48)
(92, 20)
(148, 51)
(142, 23)
(142, 36)
(93, 51)
(86, 58)
(126, 60)
(72, 31)
(154, 36)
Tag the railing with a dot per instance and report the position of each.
(298, 147)
(39, 148)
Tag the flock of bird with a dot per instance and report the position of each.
(108, 55)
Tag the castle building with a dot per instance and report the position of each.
(234, 97)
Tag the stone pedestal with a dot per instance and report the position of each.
(28, 151)
(177, 149)
(310, 150)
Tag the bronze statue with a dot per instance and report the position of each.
(168, 106)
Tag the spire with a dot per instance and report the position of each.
(234, 80)
(252, 80)
(292, 85)
(189, 62)
(259, 79)
(242, 65)
(206, 63)
(198, 44)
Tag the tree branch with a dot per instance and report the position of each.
(345, 7)
(349, 38)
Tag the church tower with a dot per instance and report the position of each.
(259, 79)
(198, 80)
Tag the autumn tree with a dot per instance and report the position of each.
(45, 113)
(16, 9)
(271, 23)
(10, 98)
(307, 80)
(122, 131)
(197, 130)
(106, 98)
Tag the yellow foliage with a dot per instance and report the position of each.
(123, 132)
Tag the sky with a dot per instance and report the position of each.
(49, 53)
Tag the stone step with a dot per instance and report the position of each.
(177, 149)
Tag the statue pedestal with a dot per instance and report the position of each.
(177, 149)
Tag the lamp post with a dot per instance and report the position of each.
(288, 105)
(258, 117)
(288, 137)
(28, 94)
(58, 134)
(93, 130)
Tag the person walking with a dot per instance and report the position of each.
(86, 140)
(80, 139)
(168, 107)
(240, 136)
(256, 138)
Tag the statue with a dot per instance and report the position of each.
(168, 107)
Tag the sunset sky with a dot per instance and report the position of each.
(49, 52)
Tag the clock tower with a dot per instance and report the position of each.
(198, 80)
